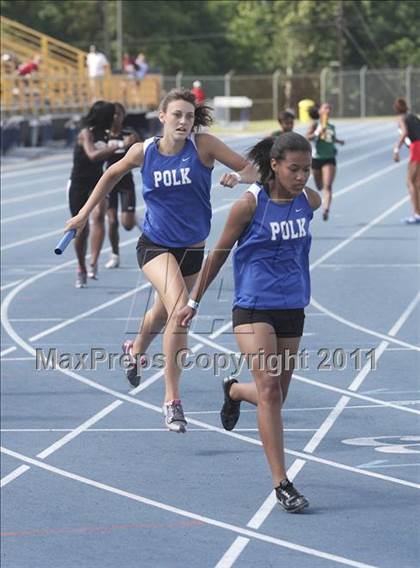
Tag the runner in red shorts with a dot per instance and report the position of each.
(409, 127)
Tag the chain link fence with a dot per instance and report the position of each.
(358, 93)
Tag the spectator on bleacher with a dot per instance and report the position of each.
(9, 63)
(141, 66)
(29, 67)
(128, 66)
(97, 65)
(197, 91)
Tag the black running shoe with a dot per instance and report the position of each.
(290, 498)
(132, 372)
(231, 409)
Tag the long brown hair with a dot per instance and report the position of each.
(202, 113)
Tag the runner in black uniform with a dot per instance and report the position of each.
(124, 190)
(90, 151)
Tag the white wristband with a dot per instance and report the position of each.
(193, 304)
(396, 151)
(237, 175)
(121, 144)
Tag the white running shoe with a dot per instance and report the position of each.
(93, 272)
(413, 220)
(114, 261)
(174, 416)
(81, 279)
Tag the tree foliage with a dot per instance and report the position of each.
(254, 36)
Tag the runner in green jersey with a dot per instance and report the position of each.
(324, 164)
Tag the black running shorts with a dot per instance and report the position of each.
(78, 194)
(127, 196)
(286, 323)
(189, 259)
(317, 164)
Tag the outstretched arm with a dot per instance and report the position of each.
(110, 178)
(239, 218)
(212, 148)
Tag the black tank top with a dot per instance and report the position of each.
(85, 169)
(413, 126)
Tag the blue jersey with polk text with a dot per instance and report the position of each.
(176, 191)
(271, 261)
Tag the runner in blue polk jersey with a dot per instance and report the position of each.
(270, 225)
(176, 173)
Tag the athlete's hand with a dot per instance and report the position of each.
(396, 156)
(77, 222)
(229, 180)
(185, 315)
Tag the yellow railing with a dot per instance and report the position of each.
(41, 94)
(24, 42)
(61, 83)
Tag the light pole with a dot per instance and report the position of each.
(119, 20)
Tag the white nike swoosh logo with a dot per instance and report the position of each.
(298, 210)
(185, 159)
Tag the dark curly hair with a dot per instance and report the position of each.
(100, 117)
(276, 147)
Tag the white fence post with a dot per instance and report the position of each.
(408, 70)
(276, 76)
(228, 76)
(363, 91)
(178, 79)
(323, 83)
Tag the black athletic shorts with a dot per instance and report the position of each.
(127, 196)
(286, 323)
(78, 193)
(189, 259)
(317, 163)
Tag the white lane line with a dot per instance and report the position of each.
(335, 249)
(368, 179)
(202, 430)
(21, 171)
(361, 231)
(371, 466)
(87, 313)
(366, 330)
(373, 265)
(384, 344)
(62, 441)
(363, 157)
(184, 513)
(33, 213)
(32, 239)
(326, 425)
(120, 396)
(17, 359)
(33, 196)
(17, 473)
(10, 285)
(326, 386)
(380, 402)
(238, 545)
(7, 351)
